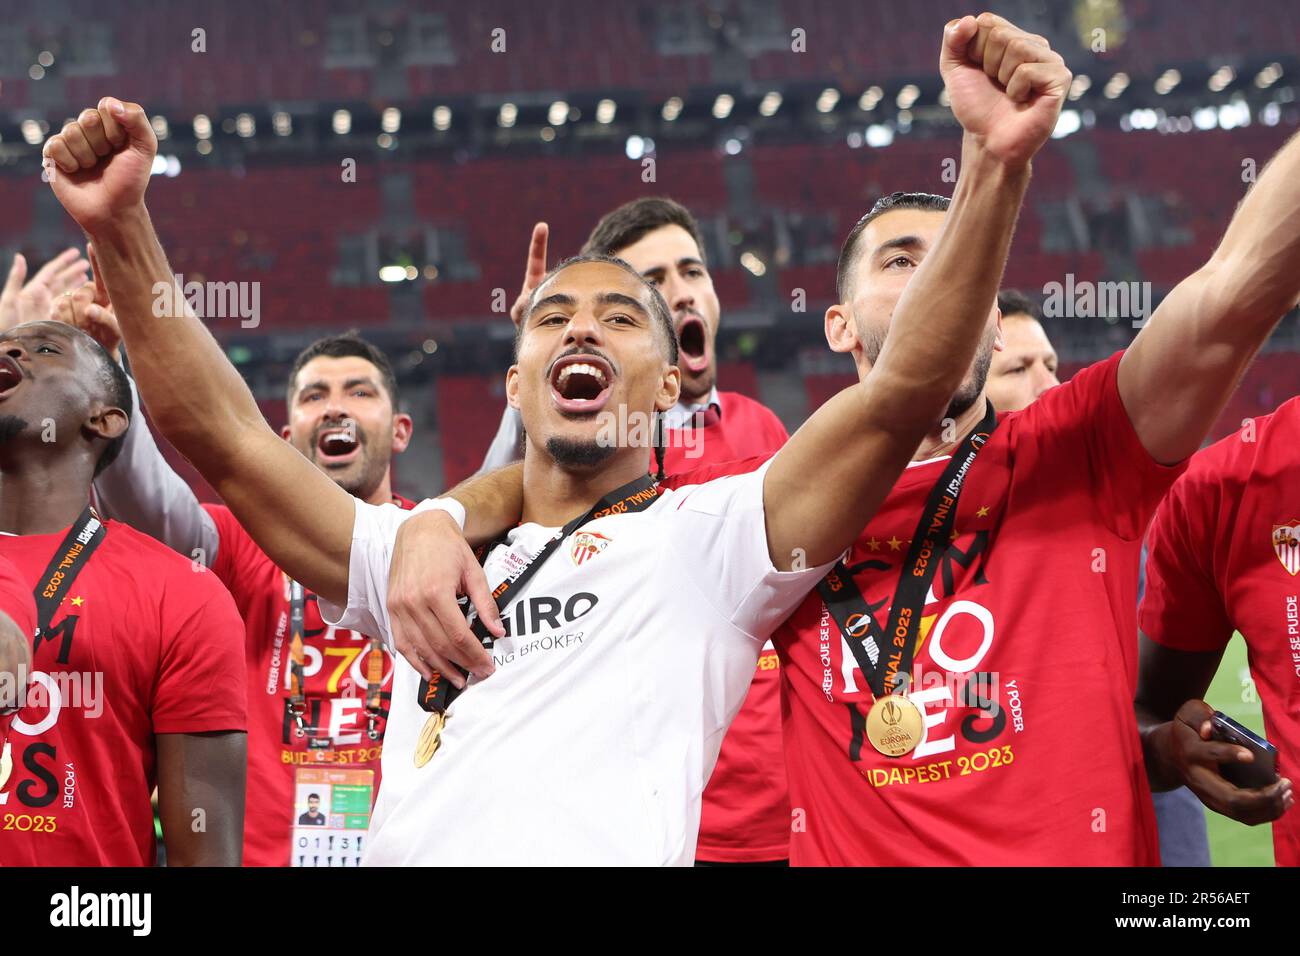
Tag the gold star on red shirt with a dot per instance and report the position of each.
(873, 544)
(894, 543)
(983, 512)
(78, 601)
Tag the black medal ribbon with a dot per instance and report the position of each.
(875, 650)
(71, 556)
(437, 695)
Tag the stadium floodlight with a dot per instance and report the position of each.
(770, 103)
(908, 96)
(635, 147)
(36, 71)
(878, 135)
(1268, 76)
(1234, 114)
(173, 167)
(1140, 119)
(159, 165)
(392, 274)
(159, 124)
(1221, 78)
(732, 147)
(722, 106)
(342, 122)
(827, 99)
(202, 127)
(1167, 80)
(753, 263)
(390, 120)
(672, 108)
(507, 115)
(1080, 85)
(282, 123)
(442, 117)
(547, 133)
(204, 147)
(558, 114)
(1068, 122)
(870, 97)
(45, 58)
(1207, 117)
(1116, 85)
(605, 111)
(245, 125)
(944, 99)
(1271, 114)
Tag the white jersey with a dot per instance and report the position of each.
(629, 652)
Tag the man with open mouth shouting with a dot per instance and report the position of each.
(134, 673)
(746, 814)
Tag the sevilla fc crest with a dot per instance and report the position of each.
(1286, 545)
(586, 545)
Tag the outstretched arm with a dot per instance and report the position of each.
(1006, 88)
(297, 515)
(1186, 362)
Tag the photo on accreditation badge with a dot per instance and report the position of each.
(725, 434)
(332, 811)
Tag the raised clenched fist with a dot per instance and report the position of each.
(1006, 86)
(99, 164)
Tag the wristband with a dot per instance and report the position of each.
(449, 505)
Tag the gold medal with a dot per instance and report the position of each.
(430, 739)
(6, 765)
(894, 725)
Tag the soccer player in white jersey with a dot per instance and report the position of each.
(590, 733)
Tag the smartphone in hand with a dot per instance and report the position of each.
(1248, 776)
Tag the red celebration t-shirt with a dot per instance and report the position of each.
(334, 691)
(16, 598)
(1224, 555)
(745, 816)
(141, 644)
(1024, 669)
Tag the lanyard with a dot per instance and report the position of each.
(71, 556)
(885, 657)
(297, 665)
(437, 695)
(78, 545)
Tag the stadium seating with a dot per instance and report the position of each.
(250, 58)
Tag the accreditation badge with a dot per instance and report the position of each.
(894, 725)
(331, 815)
